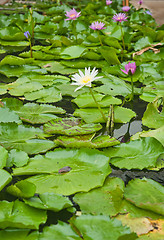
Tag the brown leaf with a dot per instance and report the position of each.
(155, 50)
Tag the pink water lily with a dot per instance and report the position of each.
(125, 8)
(140, 2)
(97, 26)
(72, 14)
(120, 17)
(129, 67)
(108, 2)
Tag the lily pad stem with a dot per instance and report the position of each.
(110, 121)
(74, 29)
(122, 36)
(100, 38)
(99, 108)
(132, 88)
(31, 55)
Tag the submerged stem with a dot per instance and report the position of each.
(99, 108)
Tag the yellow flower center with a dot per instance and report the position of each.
(72, 15)
(86, 79)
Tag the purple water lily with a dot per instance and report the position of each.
(120, 17)
(125, 8)
(72, 14)
(129, 67)
(27, 34)
(97, 26)
(108, 2)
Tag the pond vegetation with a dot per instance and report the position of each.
(81, 122)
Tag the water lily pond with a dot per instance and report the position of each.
(81, 121)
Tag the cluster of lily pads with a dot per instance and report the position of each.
(71, 74)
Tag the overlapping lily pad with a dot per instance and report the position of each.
(110, 196)
(137, 154)
(146, 194)
(19, 215)
(86, 141)
(70, 126)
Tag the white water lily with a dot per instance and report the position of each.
(86, 79)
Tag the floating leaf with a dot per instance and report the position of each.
(19, 215)
(14, 234)
(22, 189)
(5, 178)
(102, 227)
(85, 100)
(59, 231)
(17, 158)
(86, 141)
(152, 118)
(137, 154)
(157, 133)
(37, 114)
(72, 52)
(138, 225)
(6, 115)
(3, 157)
(49, 201)
(105, 200)
(24, 138)
(46, 95)
(93, 115)
(85, 164)
(70, 126)
(146, 194)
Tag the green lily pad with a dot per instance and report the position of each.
(99, 227)
(15, 70)
(49, 201)
(24, 138)
(19, 88)
(14, 234)
(37, 114)
(142, 42)
(57, 67)
(5, 178)
(86, 141)
(114, 86)
(6, 115)
(22, 189)
(137, 154)
(12, 60)
(70, 126)
(72, 52)
(19, 215)
(152, 118)
(105, 200)
(46, 95)
(60, 231)
(157, 133)
(17, 158)
(136, 212)
(85, 100)
(93, 115)
(3, 157)
(83, 165)
(146, 194)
